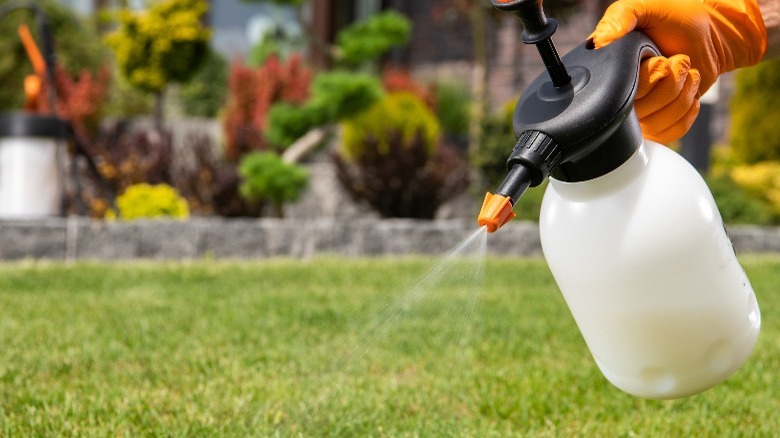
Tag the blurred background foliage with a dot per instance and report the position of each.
(79, 48)
(205, 94)
(745, 176)
(755, 136)
(404, 146)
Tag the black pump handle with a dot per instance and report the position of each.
(537, 26)
(538, 30)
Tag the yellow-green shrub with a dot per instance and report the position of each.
(146, 201)
(761, 180)
(396, 114)
(391, 158)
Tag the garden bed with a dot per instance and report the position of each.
(84, 239)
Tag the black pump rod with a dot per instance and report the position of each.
(538, 30)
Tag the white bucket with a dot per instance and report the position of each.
(31, 166)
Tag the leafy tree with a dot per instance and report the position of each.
(295, 128)
(366, 40)
(335, 96)
(342, 93)
(165, 44)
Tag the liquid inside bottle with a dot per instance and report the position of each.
(650, 276)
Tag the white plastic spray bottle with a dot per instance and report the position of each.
(629, 229)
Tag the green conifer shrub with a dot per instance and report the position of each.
(267, 178)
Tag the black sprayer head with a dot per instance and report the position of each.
(577, 122)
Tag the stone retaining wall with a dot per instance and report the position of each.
(84, 239)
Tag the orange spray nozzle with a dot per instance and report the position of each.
(496, 211)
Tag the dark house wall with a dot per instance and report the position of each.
(441, 46)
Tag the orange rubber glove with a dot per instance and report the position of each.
(700, 40)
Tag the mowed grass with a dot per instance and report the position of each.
(335, 347)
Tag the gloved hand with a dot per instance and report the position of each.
(700, 40)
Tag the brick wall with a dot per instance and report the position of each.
(84, 239)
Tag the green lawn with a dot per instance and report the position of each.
(335, 347)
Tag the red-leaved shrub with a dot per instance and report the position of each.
(252, 92)
(396, 80)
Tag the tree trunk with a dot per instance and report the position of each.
(319, 31)
(305, 144)
(278, 208)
